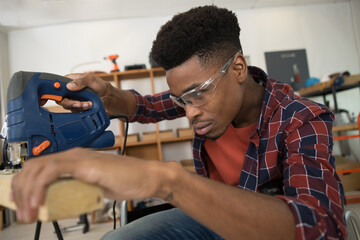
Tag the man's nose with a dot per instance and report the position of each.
(191, 112)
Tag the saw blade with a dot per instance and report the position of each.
(4, 128)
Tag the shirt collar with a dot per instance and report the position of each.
(262, 79)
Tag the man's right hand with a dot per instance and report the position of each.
(116, 101)
(81, 81)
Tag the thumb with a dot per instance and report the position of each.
(76, 84)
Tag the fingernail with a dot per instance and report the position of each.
(85, 105)
(71, 85)
(76, 105)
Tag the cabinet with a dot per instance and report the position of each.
(151, 148)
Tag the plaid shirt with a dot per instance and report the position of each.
(291, 143)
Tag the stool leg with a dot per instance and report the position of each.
(85, 221)
(37, 231)
(57, 230)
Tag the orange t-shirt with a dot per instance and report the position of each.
(227, 154)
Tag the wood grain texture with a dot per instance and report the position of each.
(65, 198)
(348, 127)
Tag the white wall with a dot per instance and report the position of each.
(355, 13)
(326, 31)
(59, 48)
(4, 71)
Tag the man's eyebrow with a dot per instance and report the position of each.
(187, 89)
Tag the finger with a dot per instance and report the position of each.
(80, 81)
(29, 185)
(22, 188)
(89, 80)
(58, 165)
(16, 194)
(75, 105)
(34, 167)
(43, 102)
(43, 179)
(17, 185)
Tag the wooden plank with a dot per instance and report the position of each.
(133, 74)
(150, 136)
(65, 198)
(185, 132)
(349, 127)
(325, 87)
(149, 152)
(318, 87)
(352, 80)
(5, 189)
(1, 219)
(188, 164)
(352, 197)
(349, 177)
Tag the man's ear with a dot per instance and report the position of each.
(240, 68)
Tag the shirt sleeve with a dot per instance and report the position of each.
(154, 108)
(312, 188)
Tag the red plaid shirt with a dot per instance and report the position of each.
(291, 143)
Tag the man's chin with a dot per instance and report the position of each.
(213, 137)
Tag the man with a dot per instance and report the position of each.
(254, 138)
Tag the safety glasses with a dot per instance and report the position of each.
(200, 95)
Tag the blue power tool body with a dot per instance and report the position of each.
(32, 130)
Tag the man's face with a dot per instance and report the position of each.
(213, 116)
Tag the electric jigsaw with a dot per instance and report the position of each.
(31, 130)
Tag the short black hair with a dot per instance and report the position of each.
(211, 33)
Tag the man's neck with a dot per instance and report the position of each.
(251, 108)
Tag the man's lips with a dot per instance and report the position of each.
(202, 128)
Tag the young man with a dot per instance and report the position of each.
(254, 138)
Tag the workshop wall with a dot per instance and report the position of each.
(4, 71)
(326, 31)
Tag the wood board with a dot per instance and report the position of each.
(65, 198)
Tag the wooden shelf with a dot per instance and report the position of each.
(348, 127)
(326, 87)
(118, 143)
(158, 72)
(150, 149)
(132, 74)
(177, 139)
(142, 143)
